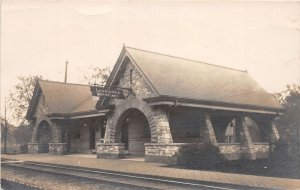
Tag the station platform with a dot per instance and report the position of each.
(136, 165)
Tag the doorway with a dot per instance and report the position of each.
(135, 132)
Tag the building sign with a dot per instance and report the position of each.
(107, 92)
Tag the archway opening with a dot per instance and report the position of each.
(232, 136)
(254, 130)
(44, 136)
(133, 130)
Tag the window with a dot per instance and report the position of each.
(131, 71)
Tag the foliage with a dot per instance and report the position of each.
(5, 129)
(23, 134)
(280, 152)
(289, 122)
(96, 75)
(199, 155)
(20, 97)
(290, 96)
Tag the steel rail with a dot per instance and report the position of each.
(129, 176)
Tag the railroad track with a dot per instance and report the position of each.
(122, 180)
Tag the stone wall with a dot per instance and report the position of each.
(236, 151)
(140, 90)
(110, 150)
(261, 150)
(58, 148)
(162, 153)
(230, 151)
(35, 148)
(42, 108)
(139, 86)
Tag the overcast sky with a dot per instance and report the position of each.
(37, 38)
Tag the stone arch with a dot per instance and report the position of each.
(44, 135)
(121, 108)
(36, 124)
(254, 129)
(252, 126)
(220, 124)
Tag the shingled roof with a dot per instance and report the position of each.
(63, 98)
(171, 76)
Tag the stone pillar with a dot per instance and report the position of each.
(208, 132)
(108, 124)
(271, 138)
(243, 134)
(163, 131)
(57, 147)
(34, 147)
(275, 133)
(111, 150)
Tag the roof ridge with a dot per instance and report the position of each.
(244, 71)
(63, 83)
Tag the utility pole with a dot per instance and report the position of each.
(66, 71)
(5, 128)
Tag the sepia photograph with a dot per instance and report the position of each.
(134, 95)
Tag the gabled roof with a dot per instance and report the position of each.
(63, 98)
(171, 76)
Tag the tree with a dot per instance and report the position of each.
(289, 122)
(6, 129)
(20, 97)
(96, 75)
(23, 134)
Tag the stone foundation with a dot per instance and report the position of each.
(235, 151)
(230, 151)
(111, 150)
(162, 153)
(261, 150)
(58, 148)
(35, 148)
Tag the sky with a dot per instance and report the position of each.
(37, 37)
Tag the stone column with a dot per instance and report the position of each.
(275, 133)
(57, 146)
(208, 132)
(34, 147)
(271, 138)
(108, 124)
(243, 135)
(163, 131)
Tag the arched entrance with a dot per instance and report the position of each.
(44, 136)
(133, 130)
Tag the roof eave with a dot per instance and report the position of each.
(83, 114)
(176, 101)
(33, 101)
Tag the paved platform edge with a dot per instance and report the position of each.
(226, 185)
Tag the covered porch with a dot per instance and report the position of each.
(238, 133)
(69, 134)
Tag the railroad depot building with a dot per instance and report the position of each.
(151, 105)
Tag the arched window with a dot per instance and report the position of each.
(131, 71)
